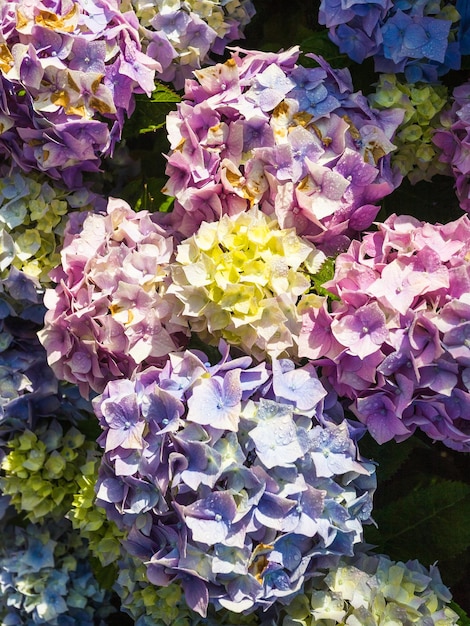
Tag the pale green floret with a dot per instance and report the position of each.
(415, 156)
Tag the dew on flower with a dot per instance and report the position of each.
(216, 476)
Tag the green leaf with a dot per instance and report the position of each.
(212, 353)
(105, 575)
(429, 523)
(147, 195)
(163, 93)
(325, 273)
(319, 43)
(389, 456)
(152, 128)
(464, 619)
(150, 113)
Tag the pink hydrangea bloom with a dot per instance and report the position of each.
(110, 312)
(397, 341)
(298, 142)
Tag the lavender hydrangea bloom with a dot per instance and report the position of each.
(298, 142)
(236, 489)
(422, 39)
(452, 140)
(68, 72)
(110, 312)
(397, 341)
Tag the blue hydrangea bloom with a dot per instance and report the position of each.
(413, 37)
(43, 583)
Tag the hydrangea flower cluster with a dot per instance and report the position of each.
(452, 140)
(416, 156)
(32, 210)
(181, 34)
(297, 141)
(396, 342)
(41, 469)
(68, 73)
(373, 590)
(110, 311)
(45, 578)
(419, 38)
(243, 279)
(231, 480)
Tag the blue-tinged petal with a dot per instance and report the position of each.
(278, 441)
(216, 404)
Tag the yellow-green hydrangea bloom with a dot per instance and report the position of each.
(32, 212)
(40, 469)
(243, 279)
(416, 156)
(373, 591)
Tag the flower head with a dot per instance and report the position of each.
(451, 139)
(32, 214)
(181, 36)
(238, 488)
(416, 155)
(297, 142)
(397, 341)
(371, 589)
(45, 576)
(110, 311)
(66, 71)
(241, 279)
(420, 39)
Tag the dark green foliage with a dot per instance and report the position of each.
(150, 113)
(464, 620)
(422, 507)
(428, 523)
(319, 43)
(389, 456)
(147, 195)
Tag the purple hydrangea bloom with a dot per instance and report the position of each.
(242, 481)
(68, 72)
(298, 142)
(396, 343)
(417, 38)
(109, 312)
